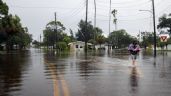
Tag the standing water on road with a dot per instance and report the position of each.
(38, 73)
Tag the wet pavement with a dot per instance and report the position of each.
(39, 73)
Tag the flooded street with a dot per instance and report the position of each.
(38, 73)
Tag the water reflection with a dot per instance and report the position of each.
(101, 52)
(148, 52)
(163, 69)
(85, 65)
(54, 62)
(134, 81)
(12, 67)
(55, 70)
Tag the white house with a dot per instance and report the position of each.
(78, 46)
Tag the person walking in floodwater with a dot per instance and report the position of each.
(134, 49)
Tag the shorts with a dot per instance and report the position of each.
(134, 57)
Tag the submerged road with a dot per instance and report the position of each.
(39, 73)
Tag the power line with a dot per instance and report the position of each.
(75, 12)
(40, 7)
(167, 7)
(128, 6)
(126, 19)
(125, 2)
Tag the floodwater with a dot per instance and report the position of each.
(38, 73)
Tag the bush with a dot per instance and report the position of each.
(61, 46)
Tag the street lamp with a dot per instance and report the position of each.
(147, 10)
(154, 25)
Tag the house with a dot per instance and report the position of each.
(78, 46)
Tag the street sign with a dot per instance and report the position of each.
(164, 37)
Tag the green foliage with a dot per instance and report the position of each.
(61, 46)
(120, 39)
(53, 33)
(56, 26)
(72, 35)
(165, 22)
(84, 34)
(56, 38)
(20, 39)
(91, 35)
(3, 13)
(114, 12)
(11, 30)
(3, 8)
(148, 40)
(49, 37)
(100, 39)
(66, 39)
(98, 32)
(169, 41)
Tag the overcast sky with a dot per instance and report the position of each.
(35, 14)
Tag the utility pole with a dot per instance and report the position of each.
(55, 29)
(109, 16)
(94, 13)
(40, 40)
(109, 23)
(154, 25)
(86, 25)
(94, 22)
(55, 22)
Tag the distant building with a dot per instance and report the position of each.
(79, 46)
(141, 35)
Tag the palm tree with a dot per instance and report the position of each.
(100, 39)
(114, 12)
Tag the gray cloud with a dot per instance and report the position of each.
(35, 14)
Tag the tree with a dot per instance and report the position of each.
(16, 34)
(53, 33)
(87, 35)
(98, 31)
(83, 34)
(3, 9)
(114, 12)
(11, 30)
(3, 13)
(165, 22)
(120, 39)
(66, 39)
(148, 40)
(100, 39)
(20, 39)
(72, 35)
